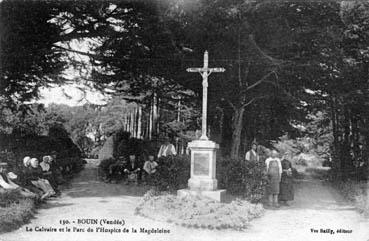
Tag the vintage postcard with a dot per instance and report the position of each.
(125, 120)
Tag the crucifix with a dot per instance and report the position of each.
(205, 71)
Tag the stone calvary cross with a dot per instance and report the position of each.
(203, 180)
(205, 71)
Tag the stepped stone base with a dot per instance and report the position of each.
(203, 184)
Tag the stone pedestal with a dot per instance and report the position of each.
(203, 171)
(217, 195)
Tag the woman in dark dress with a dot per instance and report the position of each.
(286, 192)
(34, 176)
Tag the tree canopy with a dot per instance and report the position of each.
(285, 61)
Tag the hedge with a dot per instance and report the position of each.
(14, 148)
(173, 173)
(240, 178)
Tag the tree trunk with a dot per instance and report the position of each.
(179, 111)
(336, 156)
(157, 121)
(237, 120)
(139, 122)
(237, 123)
(132, 123)
(151, 120)
(345, 155)
(154, 127)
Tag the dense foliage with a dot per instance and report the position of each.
(173, 173)
(287, 63)
(241, 178)
(14, 148)
(28, 59)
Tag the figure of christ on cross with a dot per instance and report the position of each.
(205, 71)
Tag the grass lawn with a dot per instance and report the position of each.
(14, 210)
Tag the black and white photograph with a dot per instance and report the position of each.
(184, 120)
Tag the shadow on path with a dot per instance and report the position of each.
(87, 184)
(54, 204)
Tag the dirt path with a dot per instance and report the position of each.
(317, 206)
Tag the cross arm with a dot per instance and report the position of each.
(215, 70)
(194, 69)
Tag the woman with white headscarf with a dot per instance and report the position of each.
(47, 171)
(33, 175)
(6, 182)
(45, 164)
(26, 161)
(25, 177)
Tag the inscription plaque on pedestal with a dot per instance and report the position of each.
(201, 164)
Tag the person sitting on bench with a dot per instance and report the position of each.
(132, 170)
(149, 168)
(6, 183)
(116, 170)
(33, 174)
(47, 172)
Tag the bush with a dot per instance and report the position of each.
(8, 157)
(14, 148)
(307, 151)
(138, 146)
(74, 164)
(198, 212)
(119, 144)
(241, 178)
(8, 197)
(104, 166)
(38, 146)
(173, 172)
(244, 179)
(14, 210)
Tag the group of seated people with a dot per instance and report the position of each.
(35, 179)
(132, 169)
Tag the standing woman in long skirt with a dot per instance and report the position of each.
(274, 171)
(286, 192)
